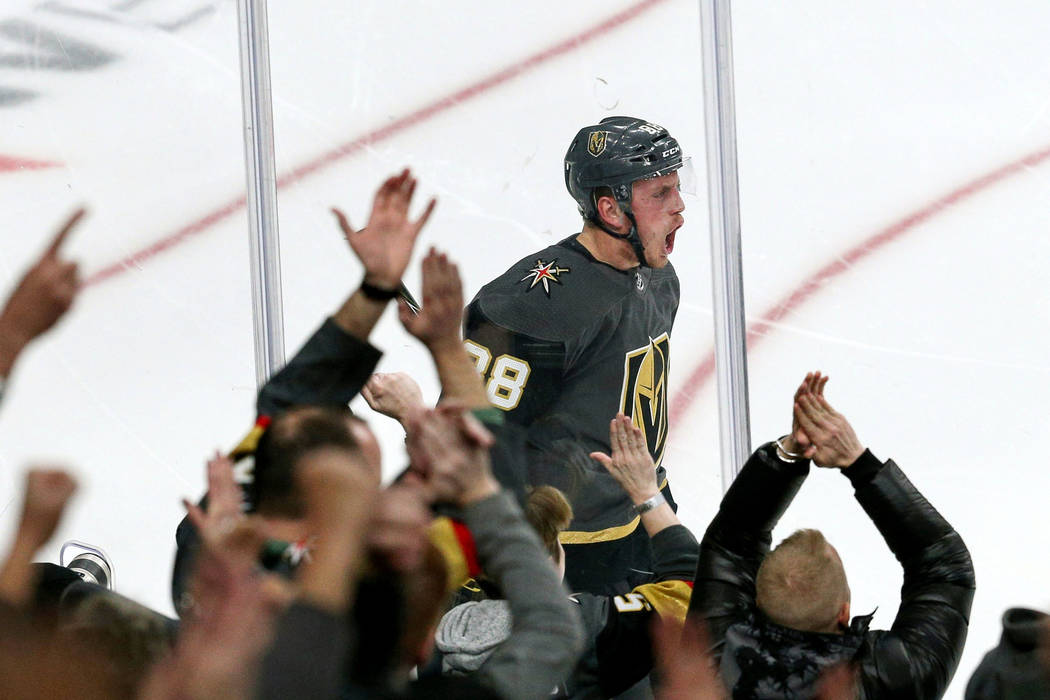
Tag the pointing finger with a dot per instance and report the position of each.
(60, 237)
(344, 223)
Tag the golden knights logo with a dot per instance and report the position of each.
(544, 273)
(644, 395)
(596, 142)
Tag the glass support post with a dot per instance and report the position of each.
(724, 205)
(267, 307)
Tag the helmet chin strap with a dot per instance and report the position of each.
(631, 236)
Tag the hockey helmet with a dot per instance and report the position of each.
(614, 153)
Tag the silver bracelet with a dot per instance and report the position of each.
(782, 453)
(647, 505)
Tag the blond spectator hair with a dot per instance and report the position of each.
(548, 512)
(802, 585)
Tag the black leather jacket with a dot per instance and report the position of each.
(916, 658)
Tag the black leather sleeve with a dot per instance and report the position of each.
(919, 655)
(739, 538)
(328, 370)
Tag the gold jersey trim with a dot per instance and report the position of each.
(609, 534)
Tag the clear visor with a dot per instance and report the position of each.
(688, 182)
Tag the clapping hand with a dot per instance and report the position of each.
(797, 443)
(824, 434)
(449, 449)
(385, 245)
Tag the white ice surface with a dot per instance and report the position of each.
(851, 116)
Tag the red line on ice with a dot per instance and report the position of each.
(10, 163)
(703, 371)
(356, 145)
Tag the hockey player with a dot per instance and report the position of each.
(572, 335)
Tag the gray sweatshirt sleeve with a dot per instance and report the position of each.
(546, 638)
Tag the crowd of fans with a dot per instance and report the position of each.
(314, 580)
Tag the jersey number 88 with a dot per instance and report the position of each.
(508, 377)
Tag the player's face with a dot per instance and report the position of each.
(657, 205)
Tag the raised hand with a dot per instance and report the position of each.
(340, 489)
(442, 314)
(47, 493)
(43, 295)
(449, 450)
(797, 442)
(630, 464)
(221, 644)
(832, 440)
(225, 509)
(393, 394)
(337, 486)
(385, 245)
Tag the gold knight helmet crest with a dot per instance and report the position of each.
(596, 142)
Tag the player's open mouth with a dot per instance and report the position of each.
(669, 242)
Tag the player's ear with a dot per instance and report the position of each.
(609, 210)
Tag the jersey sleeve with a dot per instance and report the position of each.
(624, 645)
(522, 374)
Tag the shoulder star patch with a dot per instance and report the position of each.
(544, 273)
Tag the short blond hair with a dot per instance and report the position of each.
(801, 584)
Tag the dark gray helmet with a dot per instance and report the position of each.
(614, 153)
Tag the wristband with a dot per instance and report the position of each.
(649, 504)
(377, 293)
(783, 455)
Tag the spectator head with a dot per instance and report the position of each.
(289, 437)
(1018, 666)
(125, 638)
(802, 585)
(548, 512)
